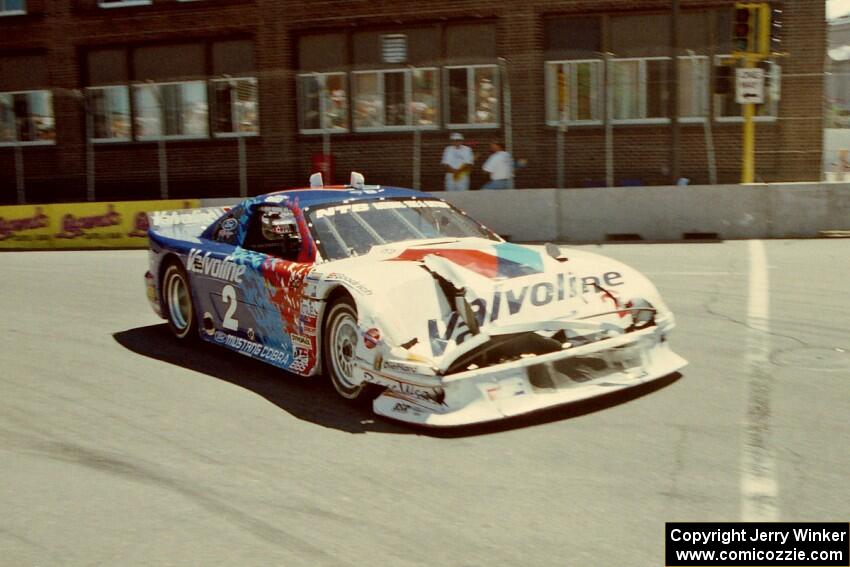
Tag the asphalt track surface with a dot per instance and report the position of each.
(119, 447)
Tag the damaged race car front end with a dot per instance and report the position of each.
(531, 374)
(533, 332)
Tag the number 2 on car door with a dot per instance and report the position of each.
(228, 295)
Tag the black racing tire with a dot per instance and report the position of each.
(339, 346)
(177, 303)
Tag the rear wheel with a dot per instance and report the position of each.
(177, 300)
(339, 351)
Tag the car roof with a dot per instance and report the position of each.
(328, 195)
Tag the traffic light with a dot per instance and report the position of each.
(743, 30)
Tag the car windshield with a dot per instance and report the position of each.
(351, 229)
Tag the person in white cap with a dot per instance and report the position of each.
(457, 160)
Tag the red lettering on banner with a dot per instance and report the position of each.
(72, 226)
(8, 227)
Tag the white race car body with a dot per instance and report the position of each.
(455, 325)
(549, 331)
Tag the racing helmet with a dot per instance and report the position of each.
(278, 225)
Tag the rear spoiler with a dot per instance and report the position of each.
(184, 223)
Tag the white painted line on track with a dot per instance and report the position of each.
(759, 489)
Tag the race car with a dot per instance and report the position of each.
(406, 302)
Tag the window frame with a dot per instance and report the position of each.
(775, 70)
(123, 3)
(705, 90)
(642, 78)
(130, 108)
(22, 143)
(322, 102)
(597, 101)
(408, 98)
(168, 137)
(233, 110)
(12, 12)
(470, 100)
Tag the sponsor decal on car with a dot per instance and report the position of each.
(371, 338)
(309, 308)
(227, 229)
(434, 395)
(499, 261)
(185, 217)
(507, 388)
(400, 367)
(509, 302)
(300, 341)
(255, 349)
(204, 263)
(350, 281)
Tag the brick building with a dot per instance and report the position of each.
(207, 81)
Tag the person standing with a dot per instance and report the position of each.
(457, 160)
(500, 166)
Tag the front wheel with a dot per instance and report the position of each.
(339, 351)
(177, 300)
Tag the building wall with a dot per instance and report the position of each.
(61, 32)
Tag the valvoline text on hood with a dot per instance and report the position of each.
(512, 301)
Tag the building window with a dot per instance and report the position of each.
(235, 107)
(323, 102)
(171, 110)
(12, 7)
(473, 96)
(727, 110)
(639, 90)
(395, 99)
(121, 3)
(425, 108)
(693, 88)
(573, 92)
(26, 118)
(110, 109)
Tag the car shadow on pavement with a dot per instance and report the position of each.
(314, 400)
(310, 399)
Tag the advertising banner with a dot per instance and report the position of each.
(119, 224)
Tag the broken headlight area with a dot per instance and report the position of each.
(503, 349)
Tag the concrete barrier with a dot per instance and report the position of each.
(798, 210)
(795, 210)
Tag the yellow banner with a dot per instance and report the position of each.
(119, 224)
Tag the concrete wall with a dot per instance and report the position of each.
(662, 213)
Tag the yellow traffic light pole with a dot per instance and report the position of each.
(750, 58)
(748, 165)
